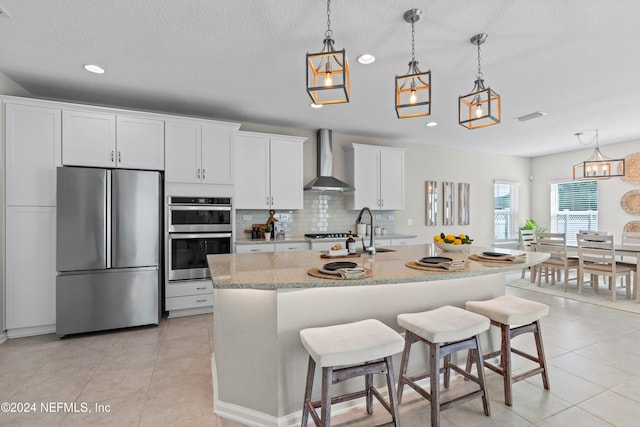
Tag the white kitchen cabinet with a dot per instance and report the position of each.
(291, 246)
(269, 171)
(255, 248)
(30, 270)
(377, 173)
(404, 241)
(105, 140)
(189, 297)
(33, 151)
(199, 151)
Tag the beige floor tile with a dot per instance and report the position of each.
(629, 388)
(118, 357)
(573, 417)
(567, 386)
(590, 370)
(121, 411)
(110, 383)
(613, 408)
(184, 347)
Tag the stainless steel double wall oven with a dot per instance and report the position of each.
(197, 227)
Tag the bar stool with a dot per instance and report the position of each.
(514, 316)
(359, 348)
(445, 330)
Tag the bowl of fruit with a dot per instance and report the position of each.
(451, 242)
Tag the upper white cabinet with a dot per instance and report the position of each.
(269, 171)
(377, 173)
(199, 151)
(106, 140)
(32, 141)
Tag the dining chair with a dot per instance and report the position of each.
(596, 256)
(559, 261)
(527, 239)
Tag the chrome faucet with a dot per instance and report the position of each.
(372, 247)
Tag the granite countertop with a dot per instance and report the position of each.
(302, 239)
(282, 270)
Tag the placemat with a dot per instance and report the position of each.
(632, 168)
(630, 202)
(495, 260)
(435, 267)
(317, 273)
(632, 226)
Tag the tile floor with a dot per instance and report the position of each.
(161, 376)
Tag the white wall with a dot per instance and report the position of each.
(7, 87)
(547, 169)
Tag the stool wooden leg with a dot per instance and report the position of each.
(477, 357)
(391, 388)
(368, 383)
(505, 362)
(434, 350)
(541, 357)
(325, 410)
(307, 391)
(408, 340)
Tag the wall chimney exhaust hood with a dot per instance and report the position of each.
(325, 181)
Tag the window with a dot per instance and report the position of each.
(574, 207)
(505, 202)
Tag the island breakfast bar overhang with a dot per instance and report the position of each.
(263, 300)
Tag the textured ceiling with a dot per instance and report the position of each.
(244, 60)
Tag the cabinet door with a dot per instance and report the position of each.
(88, 139)
(33, 136)
(216, 155)
(366, 169)
(286, 175)
(391, 179)
(139, 143)
(255, 248)
(182, 152)
(252, 172)
(30, 288)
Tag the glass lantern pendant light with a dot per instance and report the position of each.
(328, 71)
(481, 107)
(413, 90)
(598, 166)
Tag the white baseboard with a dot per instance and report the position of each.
(3, 337)
(27, 332)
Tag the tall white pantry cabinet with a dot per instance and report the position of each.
(32, 151)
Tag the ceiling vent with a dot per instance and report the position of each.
(530, 116)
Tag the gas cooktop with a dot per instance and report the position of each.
(329, 235)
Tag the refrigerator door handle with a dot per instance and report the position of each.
(110, 217)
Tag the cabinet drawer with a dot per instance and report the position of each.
(191, 301)
(402, 242)
(286, 247)
(254, 248)
(188, 288)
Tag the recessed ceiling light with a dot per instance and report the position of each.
(314, 105)
(366, 59)
(94, 69)
(531, 116)
(432, 124)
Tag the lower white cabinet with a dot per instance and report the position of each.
(254, 248)
(30, 274)
(188, 297)
(289, 247)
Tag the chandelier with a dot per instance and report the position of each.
(328, 71)
(597, 166)
(413, 90)
(481, 107)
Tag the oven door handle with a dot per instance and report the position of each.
(199, 235)
(200, 208)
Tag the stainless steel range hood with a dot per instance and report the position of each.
(325, 181)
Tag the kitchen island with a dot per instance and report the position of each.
(264, 300)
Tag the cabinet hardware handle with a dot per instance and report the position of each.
(111, 156)
(198, 173)
(200, 289)
(271, 200)
(202, 173)
(201, 300)
(381, 202)
(119, 157)
(267, 200)
(255, 250)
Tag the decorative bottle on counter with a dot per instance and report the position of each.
(351, 245)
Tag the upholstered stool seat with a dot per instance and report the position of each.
(514, 316)
(445, 330)
(358, 348)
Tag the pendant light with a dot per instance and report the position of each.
(481, 107)
(597, 166)
(328, 71)
(413, 90)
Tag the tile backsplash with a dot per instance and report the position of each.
(323, 212)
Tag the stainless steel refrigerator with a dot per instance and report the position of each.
(108, 249)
